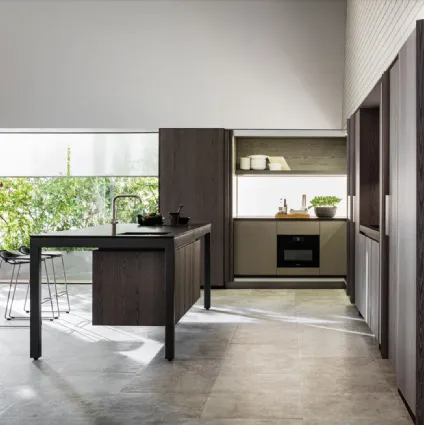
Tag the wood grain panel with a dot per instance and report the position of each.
(228, 207)
(384, 192)
(194, 171)
(122, 283)
(407, 221)
(351, 187)
(355, 202)
(188, 272)
(361, 275)
(394, 286)
(302, 154)
(420, 224)
(369, 202)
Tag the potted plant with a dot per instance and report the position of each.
(325, 206)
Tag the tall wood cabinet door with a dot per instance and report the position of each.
(255, 248)
(333, 246)
(361, 275)
(194, 170)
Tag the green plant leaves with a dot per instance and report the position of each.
(325, 201)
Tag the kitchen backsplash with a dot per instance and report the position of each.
(259, 196)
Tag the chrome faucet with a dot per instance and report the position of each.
(114, 220)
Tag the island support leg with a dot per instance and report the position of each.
(35, 302)
(207, 266)
(170, 304)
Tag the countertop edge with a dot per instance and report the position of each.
(289, 219)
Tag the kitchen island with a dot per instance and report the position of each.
(142, 276)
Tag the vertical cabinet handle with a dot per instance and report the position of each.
(387, 217)
(349, 206)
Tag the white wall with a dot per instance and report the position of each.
(260, 196)
(150, 64)
(375, 32)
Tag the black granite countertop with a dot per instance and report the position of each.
(292, 219)
(164, 231)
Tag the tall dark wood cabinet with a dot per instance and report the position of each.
(195, 169)
(351, 192)
(384, 168)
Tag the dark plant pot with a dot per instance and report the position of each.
(183, 220)
(325, 212)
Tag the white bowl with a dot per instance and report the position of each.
(275, 166)
(258, 162)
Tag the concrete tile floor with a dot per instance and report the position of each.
(268, 357)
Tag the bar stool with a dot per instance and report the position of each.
(51, 255)
(17, 260)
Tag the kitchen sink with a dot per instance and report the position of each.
(143, 233)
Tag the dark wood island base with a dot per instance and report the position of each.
(151, 277)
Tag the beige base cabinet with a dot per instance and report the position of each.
(255, 248)
(333, 248)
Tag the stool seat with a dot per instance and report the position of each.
(54, 254)
(17, 260)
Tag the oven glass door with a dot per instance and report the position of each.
(298, 251)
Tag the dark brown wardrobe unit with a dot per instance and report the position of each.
(195, 170)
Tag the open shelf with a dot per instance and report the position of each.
(286, 173)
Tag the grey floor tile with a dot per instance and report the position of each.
(147, 407)
(365, 405)
(277, 405)
(355, 420)
(248, 422)
(259, 357)
(352, 383)
(256, 383)
(196, 377)
(284, 335)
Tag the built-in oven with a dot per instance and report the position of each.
(298, 251)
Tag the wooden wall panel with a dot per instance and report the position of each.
(407, 220)
(355, 205)
(351, 189)
(318, 154)
(188, 278)
(194, 171)
(394, 286)
(360, 275)
(420, 222)
(369, 166)
(384, 192)
(122, 282)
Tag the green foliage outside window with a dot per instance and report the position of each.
(39, 205)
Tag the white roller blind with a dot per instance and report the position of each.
(115, 155)
(91, 154)
(32, 155)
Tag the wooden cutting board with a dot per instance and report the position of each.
(288, 216)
